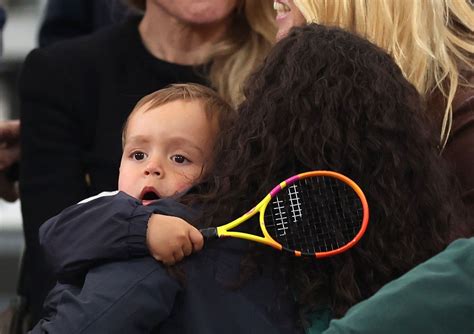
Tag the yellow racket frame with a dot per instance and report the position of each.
(224, 230)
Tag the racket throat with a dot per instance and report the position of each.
(209, 233)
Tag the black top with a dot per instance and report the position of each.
(75, 97)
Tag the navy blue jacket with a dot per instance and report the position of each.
(140, 295)
(108, 227)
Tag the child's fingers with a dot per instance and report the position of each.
(196, 239)
(173, 258)
(169, 262)
(187, 247)
(178, 255)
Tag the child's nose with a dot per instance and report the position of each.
(153, 168)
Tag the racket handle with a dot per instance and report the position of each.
(209, 233)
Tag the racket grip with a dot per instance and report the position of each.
(209, 233)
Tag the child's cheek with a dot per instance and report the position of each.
(183, 186)
(184, 183)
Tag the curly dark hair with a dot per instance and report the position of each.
(327, 99)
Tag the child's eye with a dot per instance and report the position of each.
(180, 159)
(138, 155)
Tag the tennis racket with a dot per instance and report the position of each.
(317, 213)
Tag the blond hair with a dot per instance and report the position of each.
(431, 40)
(250, 37)
(214, 105)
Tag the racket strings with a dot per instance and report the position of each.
(313, 215)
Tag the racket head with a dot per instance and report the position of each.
(317, 213)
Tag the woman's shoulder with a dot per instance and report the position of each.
(463, 106)
(459, 150)
(464, 98)
(82, 59)
(102, 46)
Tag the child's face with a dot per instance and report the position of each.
(165, 150)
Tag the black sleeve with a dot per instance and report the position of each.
(120, 297)
(107, 227)
(52, 173)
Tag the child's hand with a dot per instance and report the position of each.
(170, 239)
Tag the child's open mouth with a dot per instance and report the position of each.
(148, 195)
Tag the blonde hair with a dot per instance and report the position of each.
(214, 105)
(431, 40)
(250, 37)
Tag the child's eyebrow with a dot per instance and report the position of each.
(185, 142)
(178, 141)
(138, 139)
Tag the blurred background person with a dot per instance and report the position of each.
(9, 144)
(9, 156)
(62, 20)
(74, 18)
